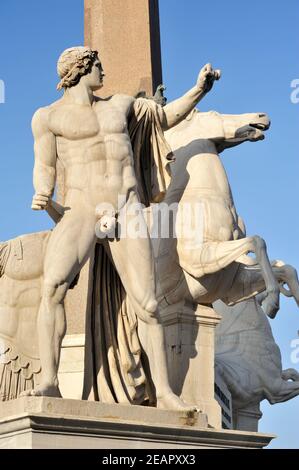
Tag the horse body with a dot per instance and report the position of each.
(212, 264)
(198, 175)
(21, 268)
(194, 145)
(248, 358)
(202, 270)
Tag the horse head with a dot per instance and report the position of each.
(225, 130)
(239, 128)
(197, 141)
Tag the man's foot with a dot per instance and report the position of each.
(173, 402)
(43, 390)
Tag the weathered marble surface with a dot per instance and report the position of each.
(48, 423)
(194, 270)
(182, 382)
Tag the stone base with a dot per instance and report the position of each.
(247, 419)
(190, 342)
(53, 423)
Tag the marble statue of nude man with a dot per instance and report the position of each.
(89, 136)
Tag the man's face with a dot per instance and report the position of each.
(96, 75)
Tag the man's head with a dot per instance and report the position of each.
(77, 62)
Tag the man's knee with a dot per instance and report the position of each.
(151, 311)
(147, 311)
(151, 306)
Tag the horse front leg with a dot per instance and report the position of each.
(271, 303)
(287, 274)
(252, 278)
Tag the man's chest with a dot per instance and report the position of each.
(78, 122)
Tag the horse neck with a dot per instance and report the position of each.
(192, 164)
(193, 149)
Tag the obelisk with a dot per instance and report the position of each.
(127, 35)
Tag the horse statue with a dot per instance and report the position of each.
(21, 273)
(248, 360)
(211, 261)
(21, 269)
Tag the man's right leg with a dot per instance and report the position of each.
(70, 245)
(134, 263)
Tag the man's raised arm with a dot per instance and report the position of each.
(44, 173)
(177, 110)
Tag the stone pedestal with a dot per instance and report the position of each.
(53, 423)
(190, 339)
(247, 419)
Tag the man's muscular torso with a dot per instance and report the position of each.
(95, 149)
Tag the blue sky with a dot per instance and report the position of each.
(256, 46)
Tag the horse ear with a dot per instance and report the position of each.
(140, 94)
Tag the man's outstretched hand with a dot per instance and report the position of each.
(206, 77)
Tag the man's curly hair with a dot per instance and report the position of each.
(73, 64)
